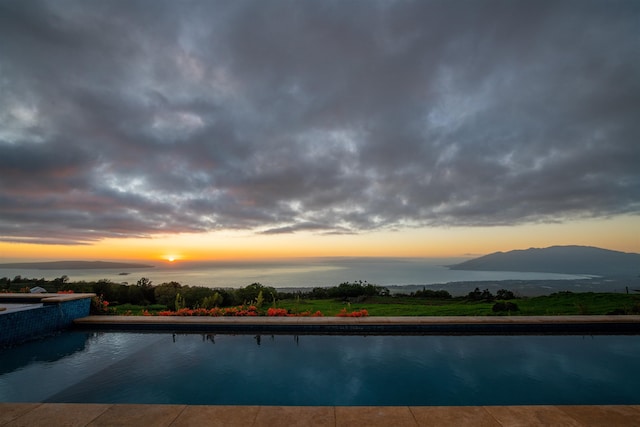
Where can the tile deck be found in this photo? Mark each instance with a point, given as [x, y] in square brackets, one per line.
[95, 415]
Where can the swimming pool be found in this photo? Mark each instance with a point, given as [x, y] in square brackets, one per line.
[121, 367]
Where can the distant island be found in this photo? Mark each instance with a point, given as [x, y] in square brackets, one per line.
[558, 259]
[73, 265]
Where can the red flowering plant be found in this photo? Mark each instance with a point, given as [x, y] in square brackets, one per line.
[282, 312]
[277, 312]
[215, 312]
[251, 310]
[99, 305]
[357, 313]
[309, 314]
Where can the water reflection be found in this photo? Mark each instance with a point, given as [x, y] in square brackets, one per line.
[354, 370]
[48, 349]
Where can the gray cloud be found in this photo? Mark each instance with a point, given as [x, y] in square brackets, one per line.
[143, 117]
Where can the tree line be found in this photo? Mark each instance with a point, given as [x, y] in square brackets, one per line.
[174, 295]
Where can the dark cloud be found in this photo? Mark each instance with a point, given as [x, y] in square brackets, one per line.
[143, 117]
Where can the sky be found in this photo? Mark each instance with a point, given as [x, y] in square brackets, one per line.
[251, 129]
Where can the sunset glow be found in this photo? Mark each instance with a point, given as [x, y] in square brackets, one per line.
[615, 234]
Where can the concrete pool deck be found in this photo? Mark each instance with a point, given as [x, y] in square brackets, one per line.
[370, 325]
[97, 415]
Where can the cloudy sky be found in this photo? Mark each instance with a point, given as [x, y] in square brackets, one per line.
[226, 125]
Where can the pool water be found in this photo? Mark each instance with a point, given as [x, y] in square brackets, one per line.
[110, 367]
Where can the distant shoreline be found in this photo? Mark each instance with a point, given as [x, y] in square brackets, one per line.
[73, 265]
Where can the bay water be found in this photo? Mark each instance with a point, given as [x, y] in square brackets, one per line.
[294, 273]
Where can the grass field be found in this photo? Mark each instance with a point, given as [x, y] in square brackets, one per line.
[555, 304]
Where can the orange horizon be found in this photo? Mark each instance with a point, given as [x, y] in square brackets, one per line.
[610, 234]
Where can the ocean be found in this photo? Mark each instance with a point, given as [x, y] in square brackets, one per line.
[297, 273]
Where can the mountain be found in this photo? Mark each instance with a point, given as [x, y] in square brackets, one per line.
[73, 265]
[558, 259]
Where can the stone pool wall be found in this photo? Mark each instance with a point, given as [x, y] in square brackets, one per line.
[39, 315]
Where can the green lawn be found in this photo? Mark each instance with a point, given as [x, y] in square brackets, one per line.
[580, 303]
[387, 306]
[555, 304]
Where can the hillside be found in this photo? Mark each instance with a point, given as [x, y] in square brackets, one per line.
[73, 265]
[558, 259]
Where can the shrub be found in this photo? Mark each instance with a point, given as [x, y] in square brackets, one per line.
[354, 290]
[504, 306]
[477, 295]
[212, 301]
[428, 293]
[504, 294]
[99, 305]
[249, 294]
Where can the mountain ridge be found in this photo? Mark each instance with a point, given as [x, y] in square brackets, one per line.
[571, 259]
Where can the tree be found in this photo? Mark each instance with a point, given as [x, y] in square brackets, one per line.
[106, 289]
[136, 296]
[356, 289]
[144, 283]
[477, 295]
[505, 294]
[58, 281]
[250, 293]
[165, 294]
[193, 295]
[429, 293]
[487, 295]
[147, 290]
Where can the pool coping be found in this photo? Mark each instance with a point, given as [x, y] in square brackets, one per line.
[605, 324]
[42, 297]
[73, 414]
